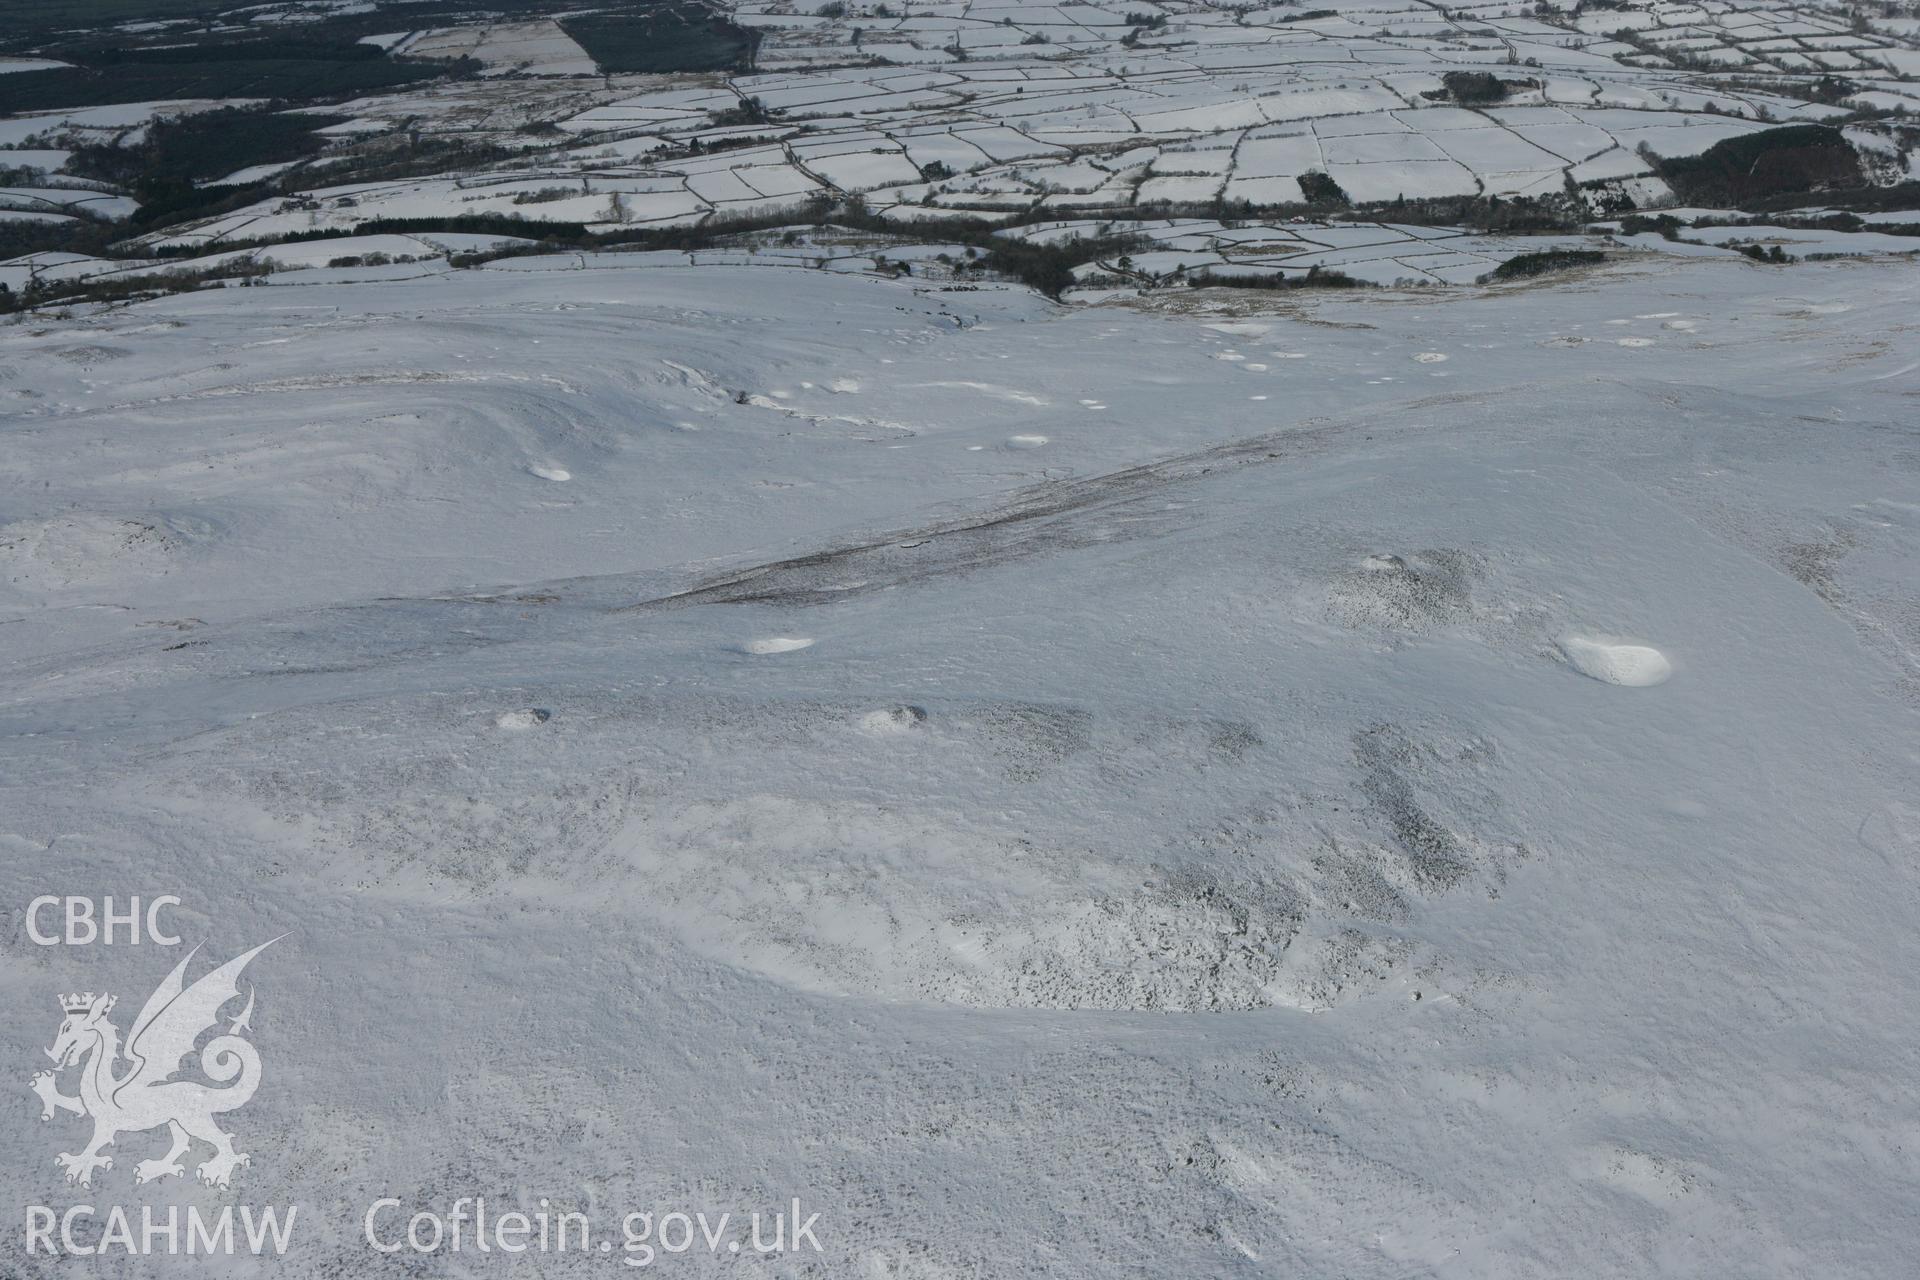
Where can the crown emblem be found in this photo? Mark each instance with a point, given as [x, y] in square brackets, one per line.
[79, 1002]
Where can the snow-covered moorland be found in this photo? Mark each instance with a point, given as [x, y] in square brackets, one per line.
[1404, 783]
[724, 614]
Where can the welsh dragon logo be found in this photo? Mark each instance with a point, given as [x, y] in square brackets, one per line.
[147, 1093]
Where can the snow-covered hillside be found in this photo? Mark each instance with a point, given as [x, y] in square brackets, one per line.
[1389, 784]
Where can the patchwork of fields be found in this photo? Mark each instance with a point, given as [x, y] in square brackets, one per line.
[1002, 112]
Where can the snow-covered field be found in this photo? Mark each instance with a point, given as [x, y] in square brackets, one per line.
[1379, 785]
[506, 48]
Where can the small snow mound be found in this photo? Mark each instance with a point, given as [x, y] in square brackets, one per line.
[1431, 357]
[1025, 442]
[889, 721]
[523, 719]
[1384, 564]
[1635, 666]
[1634, 342]
[551, 473]
[776, 644]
